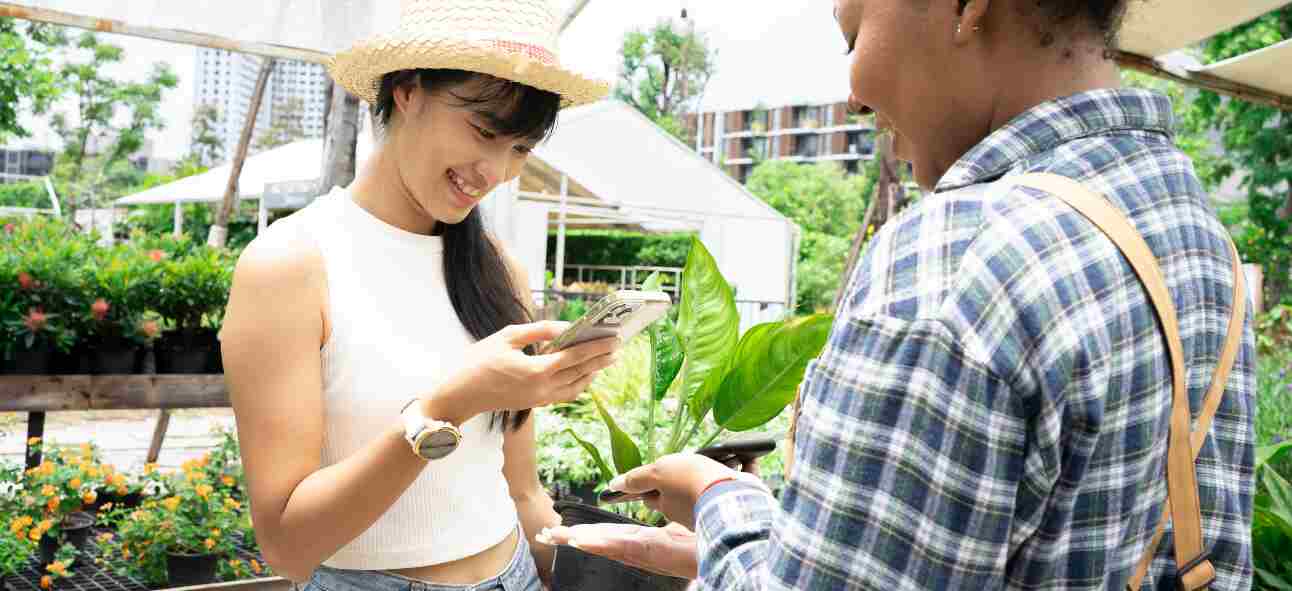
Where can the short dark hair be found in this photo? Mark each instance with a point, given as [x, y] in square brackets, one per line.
[1105, 16]
[510, 108]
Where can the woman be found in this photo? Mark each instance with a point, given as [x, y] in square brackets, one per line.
[991, 410]
[376, 342]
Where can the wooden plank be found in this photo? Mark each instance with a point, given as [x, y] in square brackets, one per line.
[1203, 80]
[159, 435]
[44, 15]
[108, 392]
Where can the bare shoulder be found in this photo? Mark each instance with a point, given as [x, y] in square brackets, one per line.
[280, 275]
[283, 254]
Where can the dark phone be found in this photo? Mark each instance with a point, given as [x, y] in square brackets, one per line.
[734, 451]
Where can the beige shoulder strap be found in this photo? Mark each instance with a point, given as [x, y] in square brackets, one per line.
[1194, 570]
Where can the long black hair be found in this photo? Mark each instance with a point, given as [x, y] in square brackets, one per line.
[481, 286]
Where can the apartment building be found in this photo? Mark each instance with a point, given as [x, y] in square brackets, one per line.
[737, 139]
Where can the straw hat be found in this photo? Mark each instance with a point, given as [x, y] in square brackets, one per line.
[509, 39]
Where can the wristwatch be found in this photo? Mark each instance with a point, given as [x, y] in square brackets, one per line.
[430, 439]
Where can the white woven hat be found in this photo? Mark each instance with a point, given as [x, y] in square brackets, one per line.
[509, 39]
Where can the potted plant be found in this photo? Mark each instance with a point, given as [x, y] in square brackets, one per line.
[707, 379]
[54, 497]
[193, 292]
[118, 284]
[30, 311]
[16, 545]
[181, 537]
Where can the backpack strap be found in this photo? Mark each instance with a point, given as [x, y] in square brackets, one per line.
[1193, 569]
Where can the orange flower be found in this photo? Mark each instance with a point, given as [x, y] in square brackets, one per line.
[75, 482]
[46, 468]
[21, 534]
[57, 567]
[209, 543]
[52, 505]
[125, 553]
[46, 582]
[89, 497]
[150, 468]
[156, 255]
[255, 566]
[34, 535]
[91, 472]
[33, 441]
[45, 525]
[204, 460]
[105, 537]
[171, 503]
[87, 450]
[203, 490]
[228, 481]
[121, 490]
[48, 490]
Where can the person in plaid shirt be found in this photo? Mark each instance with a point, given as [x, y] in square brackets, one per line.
[991, 409]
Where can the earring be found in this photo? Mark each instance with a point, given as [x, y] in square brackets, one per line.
[977, 28]
[957, 28]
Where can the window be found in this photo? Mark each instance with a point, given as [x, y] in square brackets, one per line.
[807, 146]
[861, 142]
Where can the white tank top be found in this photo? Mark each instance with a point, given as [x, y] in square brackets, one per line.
[395, 336]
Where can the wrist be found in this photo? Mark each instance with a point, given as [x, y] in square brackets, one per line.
[443, 405]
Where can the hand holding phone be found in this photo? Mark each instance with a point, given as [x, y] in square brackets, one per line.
[623, 313]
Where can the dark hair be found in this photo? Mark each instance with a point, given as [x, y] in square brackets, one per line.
[481, 286]
[1104, 15]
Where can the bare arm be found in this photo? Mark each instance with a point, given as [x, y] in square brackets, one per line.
[271, 339]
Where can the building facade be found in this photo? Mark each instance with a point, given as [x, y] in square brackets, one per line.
[227, 79]
[24, 161]
[737, 139]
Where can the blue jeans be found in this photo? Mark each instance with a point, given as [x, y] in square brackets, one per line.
[520, 575]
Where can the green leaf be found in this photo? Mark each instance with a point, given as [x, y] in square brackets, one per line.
[709, 328]
[1274, 581]
[652, 282]
[606, 474]
[767, 369]
[1270, 453]
[622, 448]
[668, 356]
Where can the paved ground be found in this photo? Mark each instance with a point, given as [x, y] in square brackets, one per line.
[123, 435]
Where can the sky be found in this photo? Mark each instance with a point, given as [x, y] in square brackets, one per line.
[772, 52]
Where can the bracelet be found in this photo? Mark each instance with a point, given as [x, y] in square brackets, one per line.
[716, 483]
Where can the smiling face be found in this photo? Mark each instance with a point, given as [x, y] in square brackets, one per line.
[457, 136]
[913, 69]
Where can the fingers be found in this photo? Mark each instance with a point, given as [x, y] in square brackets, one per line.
[570, 375]
[637, 480]
[572, 391]
[579, 354]
[521, 335]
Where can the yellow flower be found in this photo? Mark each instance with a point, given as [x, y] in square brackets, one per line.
[255, 566]
[89, 497]
[105, 537]
[34, 535]
[121, 490]
[46, 468]
[86, 449]
[204, 460]
[228, 481]
[116, 479]
[33, 441]
[209, 543]
[75, 482]
[203, 490]
[125, 553]
[48, 490]
[45, 525]
[171, 503]
[229, 503]
[57, 568]
[215, 532]
[235, 563]
[91, 472]
[46, 582]
[106, 507]
[52, 505]
[150, 468]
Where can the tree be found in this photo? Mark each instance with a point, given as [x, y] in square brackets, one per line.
[1258, 142]
[664, 72]
[827, 204]
[27, 80]
[207, 147]
[285, 125]
[102, 103]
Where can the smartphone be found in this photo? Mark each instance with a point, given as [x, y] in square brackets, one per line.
[622, 313]
[733, 451]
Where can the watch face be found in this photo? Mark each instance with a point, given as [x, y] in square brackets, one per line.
[437, 444]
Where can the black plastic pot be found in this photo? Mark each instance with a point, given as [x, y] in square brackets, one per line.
[215, 361]
[185, 570]
[74, 362]
[36, 363]
[76, 531]
[576, 570]
[124, 360]
[185, 352]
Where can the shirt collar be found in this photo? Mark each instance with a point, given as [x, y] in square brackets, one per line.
[1046, 126]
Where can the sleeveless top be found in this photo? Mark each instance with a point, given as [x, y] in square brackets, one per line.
[394, 336]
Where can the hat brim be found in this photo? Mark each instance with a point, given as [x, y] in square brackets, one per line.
[360, 69]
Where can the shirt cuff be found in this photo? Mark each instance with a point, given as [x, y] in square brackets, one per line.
[729, 499]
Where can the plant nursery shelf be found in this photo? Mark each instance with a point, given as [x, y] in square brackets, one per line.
[111, 392]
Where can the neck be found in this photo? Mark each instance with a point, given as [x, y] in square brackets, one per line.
[1028, 82]
[380, 189]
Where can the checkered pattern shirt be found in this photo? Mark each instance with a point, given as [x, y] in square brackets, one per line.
[992, 407]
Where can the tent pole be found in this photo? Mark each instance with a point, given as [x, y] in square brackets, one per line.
[262, 216]
[560, 234]
[179, 219]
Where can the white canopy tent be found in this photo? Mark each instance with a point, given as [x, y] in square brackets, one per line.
[656, 185]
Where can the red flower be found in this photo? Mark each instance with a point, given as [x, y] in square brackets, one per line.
[100, 309]
[149, 329]
[156, 255]
[25, 281]
[9, 228]
[35, 320]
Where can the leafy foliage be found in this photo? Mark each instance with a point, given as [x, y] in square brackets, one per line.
[1258, 143]
[27, 80]
[663, 72]
[828, 205]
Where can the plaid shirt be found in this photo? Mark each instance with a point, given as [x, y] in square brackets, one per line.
[991, 409]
